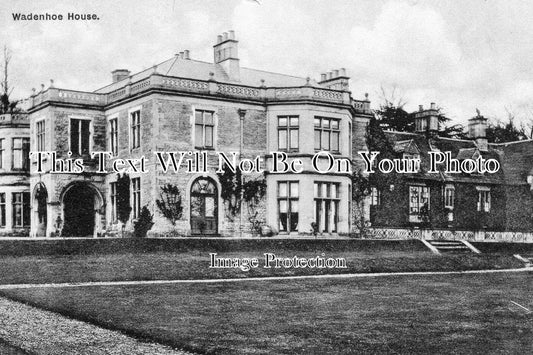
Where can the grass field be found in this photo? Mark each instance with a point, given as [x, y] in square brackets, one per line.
[406, 314]
[195, 265]
[58, 261]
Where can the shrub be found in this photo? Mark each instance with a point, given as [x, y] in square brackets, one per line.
[170, 203]
[143, 224]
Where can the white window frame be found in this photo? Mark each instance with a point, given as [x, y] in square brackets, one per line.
[37, 134]
[91, 131]
[130, 128]
[136, 203]
[215, 126]
[449, 196]
[110, 142]
[484, 200]
[375, 196]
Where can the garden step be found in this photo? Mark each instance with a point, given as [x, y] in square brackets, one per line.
[450, 246]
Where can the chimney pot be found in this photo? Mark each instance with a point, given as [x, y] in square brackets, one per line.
[186, 54]
[231, 34]
[420, 108]
[219, 38]
[433, 106]
[335, 73]
[225, 34]
[330, 75]
[181, 54]
[323, 77]
[343, 71]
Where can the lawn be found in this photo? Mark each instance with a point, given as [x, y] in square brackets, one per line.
[195, 265]
[404, 314]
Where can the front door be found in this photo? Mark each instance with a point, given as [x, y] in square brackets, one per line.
[204, 207]
[78, 210]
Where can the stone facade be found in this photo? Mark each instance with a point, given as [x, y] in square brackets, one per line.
[185, 105]
[14, 175]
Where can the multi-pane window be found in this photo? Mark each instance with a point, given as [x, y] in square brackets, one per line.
[113, 197]
[21, 209]
[418, 200]
[2, 153]
[113, 136]
[327, 134]
[326, 207]
[204, 129]
[449, 197]
[288, 206]
[40, 135]
[375, 196]
[288, 133]
[483, 202]
[136, 192]
[80, 136]
[135, 129]
[2, 210]
[21, 151]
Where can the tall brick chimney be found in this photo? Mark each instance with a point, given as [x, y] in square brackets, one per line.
[120, 74]
[477, 130]
[226, 54]
[427, 121]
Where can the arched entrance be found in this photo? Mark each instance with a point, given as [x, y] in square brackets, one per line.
[41, 198]
[204, 206]
[80, 204]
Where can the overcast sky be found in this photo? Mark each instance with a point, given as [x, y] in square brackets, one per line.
[462, 55]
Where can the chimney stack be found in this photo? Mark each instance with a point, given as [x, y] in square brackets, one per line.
[477, 130]
[120, 74]
[335, 79]
[427, 121]
[226, 54]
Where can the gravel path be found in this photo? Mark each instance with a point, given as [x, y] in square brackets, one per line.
[42, 332]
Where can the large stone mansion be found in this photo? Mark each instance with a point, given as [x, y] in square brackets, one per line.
[184, 104]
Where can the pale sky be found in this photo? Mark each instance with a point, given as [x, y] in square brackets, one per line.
[462, 55]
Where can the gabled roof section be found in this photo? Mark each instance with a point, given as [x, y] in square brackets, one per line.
[406, 146]
[199, 70]
[459, 149]
[468, 153]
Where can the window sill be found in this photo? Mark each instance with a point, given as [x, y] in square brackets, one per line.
[205, 148]
[334, 152]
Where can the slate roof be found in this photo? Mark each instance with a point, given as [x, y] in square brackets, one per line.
[517, 161]
[459, 149]
[199, 70]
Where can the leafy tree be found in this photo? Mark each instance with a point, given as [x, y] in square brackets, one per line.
[170, 203]
[501, 132]
[236, 191]
[392, 115]
[143, 224]
[123, 199]
[231, 183]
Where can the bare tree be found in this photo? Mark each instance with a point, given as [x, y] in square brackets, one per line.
[6, 104]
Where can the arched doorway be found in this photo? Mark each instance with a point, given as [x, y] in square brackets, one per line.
[204, 206]
[80, 204]
[41, 198]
